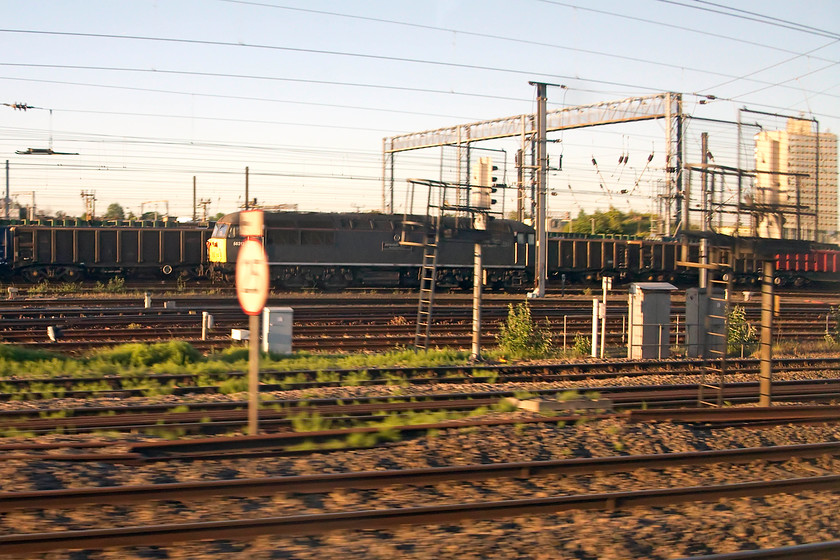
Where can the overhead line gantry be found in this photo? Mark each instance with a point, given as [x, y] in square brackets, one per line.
[532, 129]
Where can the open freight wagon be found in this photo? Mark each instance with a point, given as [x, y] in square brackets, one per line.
[40, 251]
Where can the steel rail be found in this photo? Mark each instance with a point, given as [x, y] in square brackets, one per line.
[352, 320]
[312, 524]
[212, 416]
[235, 416]
[730, 414]
[319, 483]
[191, 447]
[215, 416]
[368, 342]
[565, 370]
[813, 551]
[279, 443]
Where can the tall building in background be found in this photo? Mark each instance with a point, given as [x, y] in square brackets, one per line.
[790, 166]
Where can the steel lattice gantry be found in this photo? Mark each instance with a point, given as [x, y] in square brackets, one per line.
[658, 106]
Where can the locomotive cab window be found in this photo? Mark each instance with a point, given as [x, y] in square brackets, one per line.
[220, 230]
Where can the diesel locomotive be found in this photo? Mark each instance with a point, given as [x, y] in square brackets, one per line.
[339, 250]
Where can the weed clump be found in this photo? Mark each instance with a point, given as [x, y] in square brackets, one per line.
[521, 337]
[115, 285]
[832, 334]
[582, 345]
[145, 355]
[22, 354]
[742, 336]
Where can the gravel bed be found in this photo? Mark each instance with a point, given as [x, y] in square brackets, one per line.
[673, 532]
[654, 533]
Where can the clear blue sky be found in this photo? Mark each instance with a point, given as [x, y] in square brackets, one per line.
[151, 93]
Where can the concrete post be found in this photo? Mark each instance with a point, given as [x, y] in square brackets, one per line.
[596, 307]
[766, 345]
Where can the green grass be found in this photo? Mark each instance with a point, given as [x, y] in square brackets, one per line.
[137, 360]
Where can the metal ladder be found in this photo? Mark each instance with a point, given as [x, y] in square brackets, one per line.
[425, 304]
[714, 368]
[429, 230]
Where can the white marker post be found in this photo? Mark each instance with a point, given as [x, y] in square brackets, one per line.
[252, 291]
[606, 286]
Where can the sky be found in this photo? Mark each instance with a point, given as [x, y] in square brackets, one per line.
[154, 95]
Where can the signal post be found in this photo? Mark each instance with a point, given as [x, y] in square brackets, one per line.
[485, 185]
[252, 292]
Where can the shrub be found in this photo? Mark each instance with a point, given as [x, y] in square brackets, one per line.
[582, 345]
[521, 337]
[742, 335]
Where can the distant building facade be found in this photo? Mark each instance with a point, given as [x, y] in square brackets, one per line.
[796, 167]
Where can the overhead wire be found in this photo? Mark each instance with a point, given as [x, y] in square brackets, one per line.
[754, 16]
[670, 25]
[389, 58]
[351, 54]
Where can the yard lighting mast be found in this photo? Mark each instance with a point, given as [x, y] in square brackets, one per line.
[542, 164]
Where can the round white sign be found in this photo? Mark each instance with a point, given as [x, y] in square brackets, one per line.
[252, 277]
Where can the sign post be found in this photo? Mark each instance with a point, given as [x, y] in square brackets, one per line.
[252, 292]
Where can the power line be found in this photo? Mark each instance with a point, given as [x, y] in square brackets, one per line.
[487, 35]
[672, 26]
[206, 42]
[347, 84]
[788, 80]
[469, 34]
[772, 66]
[236, 97]
[529, 73]
[754, 16]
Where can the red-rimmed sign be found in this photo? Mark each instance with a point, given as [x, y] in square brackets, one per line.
[252, 277]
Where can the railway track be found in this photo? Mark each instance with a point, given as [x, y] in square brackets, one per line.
[10, 501]
[381, 518]
[342, 322]
[316, 524]
[338, 338]
[34, 387]
[282, 415]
